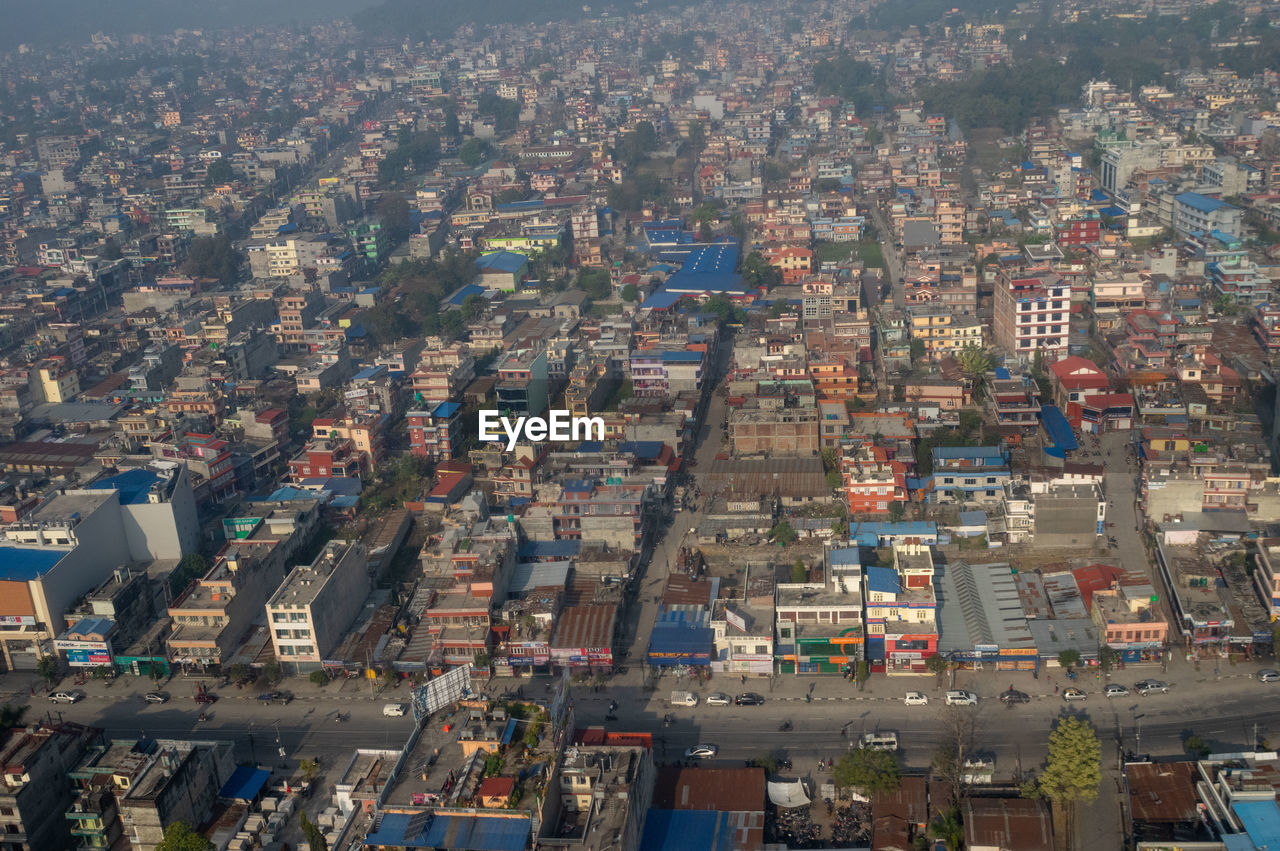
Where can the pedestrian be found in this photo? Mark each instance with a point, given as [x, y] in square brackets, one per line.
[1055, 689]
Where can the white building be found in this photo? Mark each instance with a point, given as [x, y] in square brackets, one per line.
[317, 603]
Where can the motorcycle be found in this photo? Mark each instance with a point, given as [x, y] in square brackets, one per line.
[611, 717]
[339, 717]
[203, 716]
[786, 725]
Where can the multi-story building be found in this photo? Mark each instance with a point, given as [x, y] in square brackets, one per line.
[316, 605]
[968, 474]
[521, 388]
[436, 434]
[1032, 315]
[820, 624]
[943, 332]
[900, 611]
[1196, 213]
[35, 793]
[336, 458]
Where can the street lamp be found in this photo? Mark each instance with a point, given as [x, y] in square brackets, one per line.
[1137, 737]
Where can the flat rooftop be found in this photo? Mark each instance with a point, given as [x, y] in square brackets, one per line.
[23, 564]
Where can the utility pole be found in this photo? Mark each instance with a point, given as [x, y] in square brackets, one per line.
[1137, 720]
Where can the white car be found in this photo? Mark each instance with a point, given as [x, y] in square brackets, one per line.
[393, 710]
[65, 697]
[719, 699]
[1116, 690]
[701, 752]
[916, 698]
[961, 698]
[1075, 694]
[1269, 676]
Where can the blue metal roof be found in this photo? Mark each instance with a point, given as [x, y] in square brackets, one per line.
[682, 357]
[662, 299]
[590, 446]
[993, 452]
[882, 579]
[458, 831]
[469, 290]
[973, 518]
[549, 549]
[446, 409]
[579, 486]
[91, 626]
[846, 556]
[502, 261]
[245, 783]
[1055, 423]
[1261, 820]
[1202, 203]
[284, 494]
[1002, 373]
[22, 564]
[676, 830]
[133, 485]
[645, 449]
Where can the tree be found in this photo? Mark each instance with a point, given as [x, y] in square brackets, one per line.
[239, 673]
[1069, 658]
[917, 349]
[179, 836]
[783, 533]
[313, 834]
[937, 666]
[897, 511]
[958, 742]
[111, 249]
[393, 213]
[974, 362]
[759, 273]
[1107, 658]
[473, 307]
[213, 257]
[492, 764]
[272, 672]
[47, 668]
[473, 152]
[873, 772]
[219, 172]
[595, 283]
[630, 292]
[948, 828]
[834, 479]
[310, 768]
[635, 146]
[319, 678]
[799, 573]
[1073, 771]
[191, 567]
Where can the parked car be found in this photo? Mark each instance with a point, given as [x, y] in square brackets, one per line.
[884, 741]
[916, 698]
[701, 752]
[393, 710]
[1074, 694]
[749, 698]
[1012, 696]
[719, 699]
[1115, 690]
[281, 697]
[65, 697]
[1269, 676]
[156, 697]
[1151, 687]
[961, 698]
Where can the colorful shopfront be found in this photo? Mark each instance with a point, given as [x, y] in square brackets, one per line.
[818, 654]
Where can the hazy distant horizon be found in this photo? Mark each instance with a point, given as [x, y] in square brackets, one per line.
[61, 21]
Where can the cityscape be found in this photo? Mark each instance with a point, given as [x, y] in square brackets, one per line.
[646, 426]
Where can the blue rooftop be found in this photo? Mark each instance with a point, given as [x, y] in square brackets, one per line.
[991, 452]
[590, 446]
[882, 579]
[676, 830]
[446, 409]
[846, 556]
[682, 357]
[502, 261]
[579, 486]
[132, 484]
[245, 783]
[549, 549]
[647, 450]
[1055, 423]
[1201, 203]
[1261, 821]
[662, 300]
[470, 289]
[973, 518]
[1002, 373]
[459, 832]
[368, 372]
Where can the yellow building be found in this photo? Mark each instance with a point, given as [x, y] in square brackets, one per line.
[942, 332]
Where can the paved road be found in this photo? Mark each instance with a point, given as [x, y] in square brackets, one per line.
[891, 258]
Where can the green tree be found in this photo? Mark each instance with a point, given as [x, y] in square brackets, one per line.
[473, 152]
[873, 772]
[630, 292]
[111, 249]
[862, 673]
[1069, 658]
[179, 836]
[213, 257]
[1073, 772]
[635, 146]
[1196, 747]
[897, 511]
[595, 283]
[239, 673]
[313, 834]
[834, 479]
[799, 573]
[47, 668]
[937, 666]
[948, 828]
[393, 212]
[11, 716]
[473, 307]
[758, 273]
[783, 533]
[272, 672]
[917, 349]
[191, 567]
[319, 678]
[310, 768]
[492, 764]
[974, 362]
[219, 172]
[1107, 658]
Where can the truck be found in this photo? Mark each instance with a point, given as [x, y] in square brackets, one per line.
[684, 698]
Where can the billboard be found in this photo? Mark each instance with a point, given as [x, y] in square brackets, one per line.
[735, 620]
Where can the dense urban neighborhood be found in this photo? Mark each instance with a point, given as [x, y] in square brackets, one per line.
[651, 426]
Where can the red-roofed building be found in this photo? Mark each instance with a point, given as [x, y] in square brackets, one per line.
[737, 793]
[496, 792]
[1075, 377]
[1102, 412]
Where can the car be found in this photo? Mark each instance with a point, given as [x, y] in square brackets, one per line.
[65, 697]
[393, 710]
[701, 752]
[961, 698]
[1269, 676]
[1151, 687]
[281, 697]
[1074, 694]
[155, 697]
[749, 698]
[1115, 690]
[719, 699]
[916, 698]
[1012, 696]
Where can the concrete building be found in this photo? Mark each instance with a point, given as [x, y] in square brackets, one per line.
[1032, 314]
[35, 792]
[783, 431]
[179, 781]
[1196, 213]
[317, 603]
